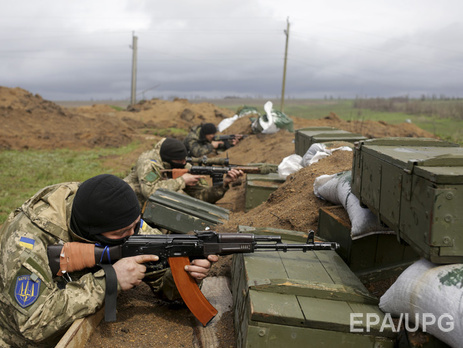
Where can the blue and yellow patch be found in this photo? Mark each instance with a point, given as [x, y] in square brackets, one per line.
[143, 225]
[27, 242]
[26, 290]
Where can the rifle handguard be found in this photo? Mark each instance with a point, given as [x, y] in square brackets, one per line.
[76, 256]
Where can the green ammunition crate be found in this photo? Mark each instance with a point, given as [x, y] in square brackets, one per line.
[371, 257]
[302, 137]
[414, 185]
[259, 187]
[180, 213]
[296, 299]
[305, 137]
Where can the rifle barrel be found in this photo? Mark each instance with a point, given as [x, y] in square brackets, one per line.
[304, 247]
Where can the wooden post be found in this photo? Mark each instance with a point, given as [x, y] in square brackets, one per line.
[284, 67]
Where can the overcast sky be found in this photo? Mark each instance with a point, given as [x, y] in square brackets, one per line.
[81, 50]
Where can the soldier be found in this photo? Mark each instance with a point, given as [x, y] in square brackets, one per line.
[147, 175]
[201, 140]
[36, 306]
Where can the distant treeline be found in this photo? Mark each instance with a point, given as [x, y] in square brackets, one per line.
[441, 107]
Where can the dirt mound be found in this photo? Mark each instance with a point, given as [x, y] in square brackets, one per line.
[293, 206]
[161, 114]
[29, 121]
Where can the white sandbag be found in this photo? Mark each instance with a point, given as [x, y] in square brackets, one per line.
[314, 150]
[329, 188]
[430, 295]
[289, 165]
[226, 122]
[269, 126]
[317, 151]
[336, 189]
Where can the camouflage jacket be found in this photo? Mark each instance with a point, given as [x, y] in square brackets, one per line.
[198, 146]
[147, 176]
[36, 306]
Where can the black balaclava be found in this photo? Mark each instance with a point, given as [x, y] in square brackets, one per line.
[207, 128]
[173, 149]
[104, 203]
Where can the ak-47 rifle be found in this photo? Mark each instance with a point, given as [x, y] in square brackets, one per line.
[227, 139]
[175, 251]
[230, 137]
[215, 172]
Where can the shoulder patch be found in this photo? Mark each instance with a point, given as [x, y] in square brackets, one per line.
[152, 176]
[27, 289]
[27, 242]
[143, 225]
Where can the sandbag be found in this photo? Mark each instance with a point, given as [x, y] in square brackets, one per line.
[427, 292]
[272, 121]
[317, 151]
[289, 165]
[336, 189]
[241, 112]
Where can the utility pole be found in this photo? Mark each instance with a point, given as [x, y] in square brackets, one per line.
[284, 67]
[134, 70]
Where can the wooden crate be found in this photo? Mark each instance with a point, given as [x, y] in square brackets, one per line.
[298, 299]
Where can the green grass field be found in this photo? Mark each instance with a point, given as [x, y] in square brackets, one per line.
[23, 173]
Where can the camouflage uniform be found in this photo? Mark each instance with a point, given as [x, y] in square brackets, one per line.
[36, 306]
[198, 146]
[146, 177]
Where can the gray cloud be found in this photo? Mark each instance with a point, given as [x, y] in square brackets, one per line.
[66, 51]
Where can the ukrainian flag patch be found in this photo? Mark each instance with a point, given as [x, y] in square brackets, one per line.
[27, 242]
[143, 225]
[26, 290]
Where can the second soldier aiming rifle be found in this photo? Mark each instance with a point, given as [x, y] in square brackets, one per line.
[215, 172]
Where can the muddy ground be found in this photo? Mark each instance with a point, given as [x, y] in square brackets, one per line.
[30, 122]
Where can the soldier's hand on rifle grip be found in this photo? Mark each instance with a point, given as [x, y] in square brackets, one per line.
[232, 175]
[131, 270]
[216, 144]
[199, 268]
[236, 139]
[190, 179]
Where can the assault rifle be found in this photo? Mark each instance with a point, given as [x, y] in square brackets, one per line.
[216, 173]
[230, 137]
[265, 168]
[174, 251]
[227, 139]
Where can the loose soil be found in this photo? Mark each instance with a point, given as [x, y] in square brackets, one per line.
[30, 122]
